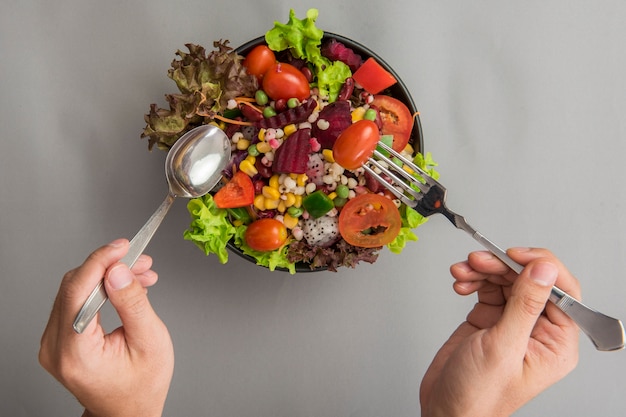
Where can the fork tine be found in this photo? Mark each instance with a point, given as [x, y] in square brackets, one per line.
[394, 190]
[427, 178]
[395, 178]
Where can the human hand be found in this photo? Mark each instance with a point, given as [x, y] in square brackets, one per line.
[123, 373]
[512, 345]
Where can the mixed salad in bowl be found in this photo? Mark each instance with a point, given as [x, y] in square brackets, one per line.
[283, 99]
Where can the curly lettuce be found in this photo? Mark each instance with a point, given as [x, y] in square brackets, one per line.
[206, 83]
[210, 228]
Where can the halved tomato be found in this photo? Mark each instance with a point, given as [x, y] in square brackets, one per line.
[238, 192]
[369, 220]
[397, 120]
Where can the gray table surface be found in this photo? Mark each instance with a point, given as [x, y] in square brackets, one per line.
[523, 105]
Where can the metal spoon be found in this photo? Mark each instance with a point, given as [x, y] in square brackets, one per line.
[192, 167]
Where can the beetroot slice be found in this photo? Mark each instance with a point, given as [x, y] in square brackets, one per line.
[295, 115]
[293, 155]
[338, 116]
[337, 51]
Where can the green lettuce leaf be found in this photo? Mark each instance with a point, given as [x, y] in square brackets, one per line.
[210, 228]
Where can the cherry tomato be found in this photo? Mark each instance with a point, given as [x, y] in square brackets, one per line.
[259, 60]
[238, 192]
[356, 144]
[369, 220]
[265, 234]
[284, 81]
[397, 120]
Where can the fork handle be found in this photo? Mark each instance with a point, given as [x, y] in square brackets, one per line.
[605, 332]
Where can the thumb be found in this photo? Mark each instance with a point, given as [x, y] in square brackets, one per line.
[528, 299]
[130, 300]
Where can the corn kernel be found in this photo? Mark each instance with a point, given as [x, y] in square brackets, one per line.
[237, 223]
[290, 199]
[271, 204]
[301, 180]
[289, 129]
[298, 202]
[248, 168]
[332, 195]
[261, 134]
[328, 155]
[289, 221]
[407, 169]
[270, 193]
[408, 149]
[274, 182]
[259, 202]
[242, 144]
[251, 159]
[281, 206]
[358, 113]
[263, 147]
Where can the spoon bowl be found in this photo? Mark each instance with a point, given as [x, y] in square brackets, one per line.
[192, 168]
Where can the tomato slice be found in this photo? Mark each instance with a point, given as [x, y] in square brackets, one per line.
[369, 220]
[265, 234]
[356, 144]
[397, 120]
[373, 77]
[238, 192]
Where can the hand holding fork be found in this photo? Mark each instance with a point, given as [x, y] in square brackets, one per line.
[427, 196]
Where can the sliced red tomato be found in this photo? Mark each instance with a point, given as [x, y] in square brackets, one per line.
[284, 81]
[356, 144]
[238, 192]
[369, 220]
[373, 77]
[259, 60]
[397, 120]
[265, 234]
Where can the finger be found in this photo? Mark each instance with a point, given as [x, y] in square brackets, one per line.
[78, 283]
[484, 316]
[142, 264]
[566, 281]
[487, 262]
[130, 300]
[469, 280]
[148, 278]
[527, 301]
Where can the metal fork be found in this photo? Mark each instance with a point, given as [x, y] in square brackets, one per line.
[428, 197]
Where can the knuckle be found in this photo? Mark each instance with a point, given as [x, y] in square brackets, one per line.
[531, 304]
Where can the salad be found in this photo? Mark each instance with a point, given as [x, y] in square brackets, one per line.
[284, 200]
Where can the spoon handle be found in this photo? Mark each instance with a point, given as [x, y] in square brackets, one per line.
[98, 296]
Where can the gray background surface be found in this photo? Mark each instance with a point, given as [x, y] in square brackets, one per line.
[523, 105]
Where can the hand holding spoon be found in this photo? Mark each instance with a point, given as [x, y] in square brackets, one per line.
[192, 167]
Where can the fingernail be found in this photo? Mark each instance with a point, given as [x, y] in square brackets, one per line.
[484, 255]
[120, 277]
[520, 249]
[544, 274]
[118, 243]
